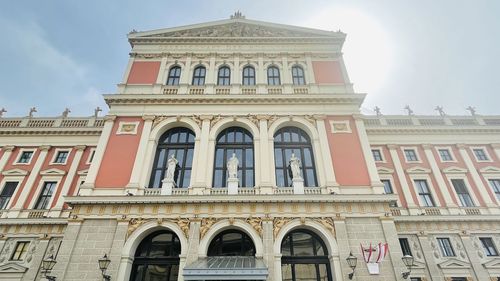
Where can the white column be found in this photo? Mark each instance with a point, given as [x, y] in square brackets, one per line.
[211, 72]
[378, 187]
[439, 178]
[88, 185]
[236, 74]
[401, 176]
[261, 76]
[30, 181]
[265, 158]
[331, 181]
[202, 153]
[185, 76]
[496, 148]
[138, 168]
[162, 73]
[483, 191]
[7, 152]
[70, 176]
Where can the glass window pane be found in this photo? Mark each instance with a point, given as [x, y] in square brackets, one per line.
[295, 137]
[278, 157]
[187, 178]
[157, 179]
[139, 272]
[230, 137]
[286, 272]
[189, 158]
[307, 158]
[249, 178]
[249, 157]
[305, 272]
[310, 178]
[239, 136]
[280, 180]
[218, 178]
[161, 158]
[302, 244]
[219, 158]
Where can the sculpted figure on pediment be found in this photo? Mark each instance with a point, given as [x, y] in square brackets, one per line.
[235, 30]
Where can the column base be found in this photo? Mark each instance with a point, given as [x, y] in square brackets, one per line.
[298, 186]
[232, 186]
[166, 188]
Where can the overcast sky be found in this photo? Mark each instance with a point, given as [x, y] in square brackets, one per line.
[57, 54]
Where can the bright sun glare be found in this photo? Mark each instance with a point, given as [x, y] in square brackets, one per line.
[368, 50]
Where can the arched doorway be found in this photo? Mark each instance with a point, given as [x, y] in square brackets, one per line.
[157, 257]
[304, 257]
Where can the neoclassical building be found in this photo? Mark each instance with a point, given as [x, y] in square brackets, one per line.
[315, 181]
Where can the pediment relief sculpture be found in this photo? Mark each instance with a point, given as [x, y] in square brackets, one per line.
[236, 29]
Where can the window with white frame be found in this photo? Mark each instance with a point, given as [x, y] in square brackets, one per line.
[61, 157]
[6, 194]
[44, 198]
[174, 76]
[495, 184]
[480, 154]
[445, 154]
[248, 76]
[25, 157]
[298, 75]
[377, 155]
[91, 156]
[446, 247]
[424, 193]
[387, 186]
[410, 155]
[489, 247]
[199, 76]
[462, 192]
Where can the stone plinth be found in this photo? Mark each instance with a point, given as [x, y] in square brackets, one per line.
[298, 186]
[232, 186]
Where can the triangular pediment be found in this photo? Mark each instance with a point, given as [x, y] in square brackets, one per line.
[384, 170]
[492, 264]
[15, 172]
[454, 264]
[418, 170]
[490, 170]
[235, 28]
[454, 170]
[12, 268]
[52, 172]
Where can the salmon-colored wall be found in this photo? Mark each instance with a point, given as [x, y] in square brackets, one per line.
[143, 72]
[327, 72]
[347, 156]
[119, 157]
[11, 165]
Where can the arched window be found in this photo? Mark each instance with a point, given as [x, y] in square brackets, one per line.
[273, 76]
[239, 141]
[298, 75]
[180, 143]
[304, 257]
[248, 76]
[157, 257]
[174, 75]
[199, 76]
[224, 77]
[290, 140]
[231, 243]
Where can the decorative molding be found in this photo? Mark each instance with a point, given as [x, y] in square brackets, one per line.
[127, 128]
[8, 148]
[453, 263]
[490, 170]
[418, 170]
[454, 170]
[278, 224]
[15, 172]
[12, 267]
[206, 224]
[256, 223]
[53, 172]
[384, 170]
[340, 126]
[135, 223]
[326, 222]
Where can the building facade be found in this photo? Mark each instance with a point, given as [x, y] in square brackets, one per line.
[153, 184]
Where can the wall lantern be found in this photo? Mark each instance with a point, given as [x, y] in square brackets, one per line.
[408, 261]
[47, 266]
[351, 261]
[103, 266]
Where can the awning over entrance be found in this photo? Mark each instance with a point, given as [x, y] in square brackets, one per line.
[226, 268]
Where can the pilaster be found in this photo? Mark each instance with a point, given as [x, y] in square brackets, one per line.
[391, 237]
[200, 182]
[401, 176]
[479, 270]
[7, 152]
[331, 181]
[70, 176]
[138, 167]
[268, 242]
[435, 273]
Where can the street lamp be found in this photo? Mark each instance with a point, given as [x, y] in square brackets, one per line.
[47, 266]
[408, 261]
[351, 261]
[103, 265]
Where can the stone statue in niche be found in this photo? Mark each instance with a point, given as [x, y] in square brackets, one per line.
[232, 167]
[172, 169]
[294, 167]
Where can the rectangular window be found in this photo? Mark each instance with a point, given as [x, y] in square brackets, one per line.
[91, 157]
[7, 192]
[410, 155]
[445, 155]
[20, 251]
[424, 193]
[387, 186]
[480, 154]
[462, 192]
[458, 278]
[446, 248]
[405, 246]
[61, 157]
[489, 247]
[377, 155]
[47, 191]
[25, 157]
[495, 184]
[415, 279]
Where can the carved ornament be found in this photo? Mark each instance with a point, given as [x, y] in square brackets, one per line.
[256, 223]
[278, 224]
